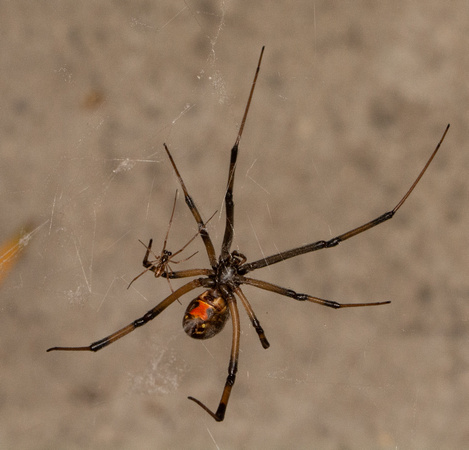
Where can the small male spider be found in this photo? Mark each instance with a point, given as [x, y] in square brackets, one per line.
[207, 314]
[160, 265]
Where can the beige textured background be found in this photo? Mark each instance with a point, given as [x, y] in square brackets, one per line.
[351, 99]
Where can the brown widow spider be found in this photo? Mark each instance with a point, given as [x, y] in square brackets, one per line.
[207, 314]
[160, 265]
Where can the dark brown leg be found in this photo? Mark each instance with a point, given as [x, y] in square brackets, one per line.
[245, 268]
[305, 297]
[229, 204]
[232, 367]
[150, 315]
[195, 212]
[252, 316]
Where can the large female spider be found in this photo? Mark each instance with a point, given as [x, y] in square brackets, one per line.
[206, 315]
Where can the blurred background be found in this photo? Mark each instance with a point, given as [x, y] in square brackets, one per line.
[351, 100]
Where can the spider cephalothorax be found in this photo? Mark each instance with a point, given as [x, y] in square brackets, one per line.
[228, 269]
[207, 314]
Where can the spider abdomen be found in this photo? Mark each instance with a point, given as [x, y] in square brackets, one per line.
[206, 315]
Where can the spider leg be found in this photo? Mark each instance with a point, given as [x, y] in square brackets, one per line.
[229, 204]
[139, 275]
[149, 265]
[187, 244]
[245, 268]
[150, 315]
[304, 297]
[183, 260]
[170, 222]
[195, 212]
[188, 273]
[252, 316]
[232, 367]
